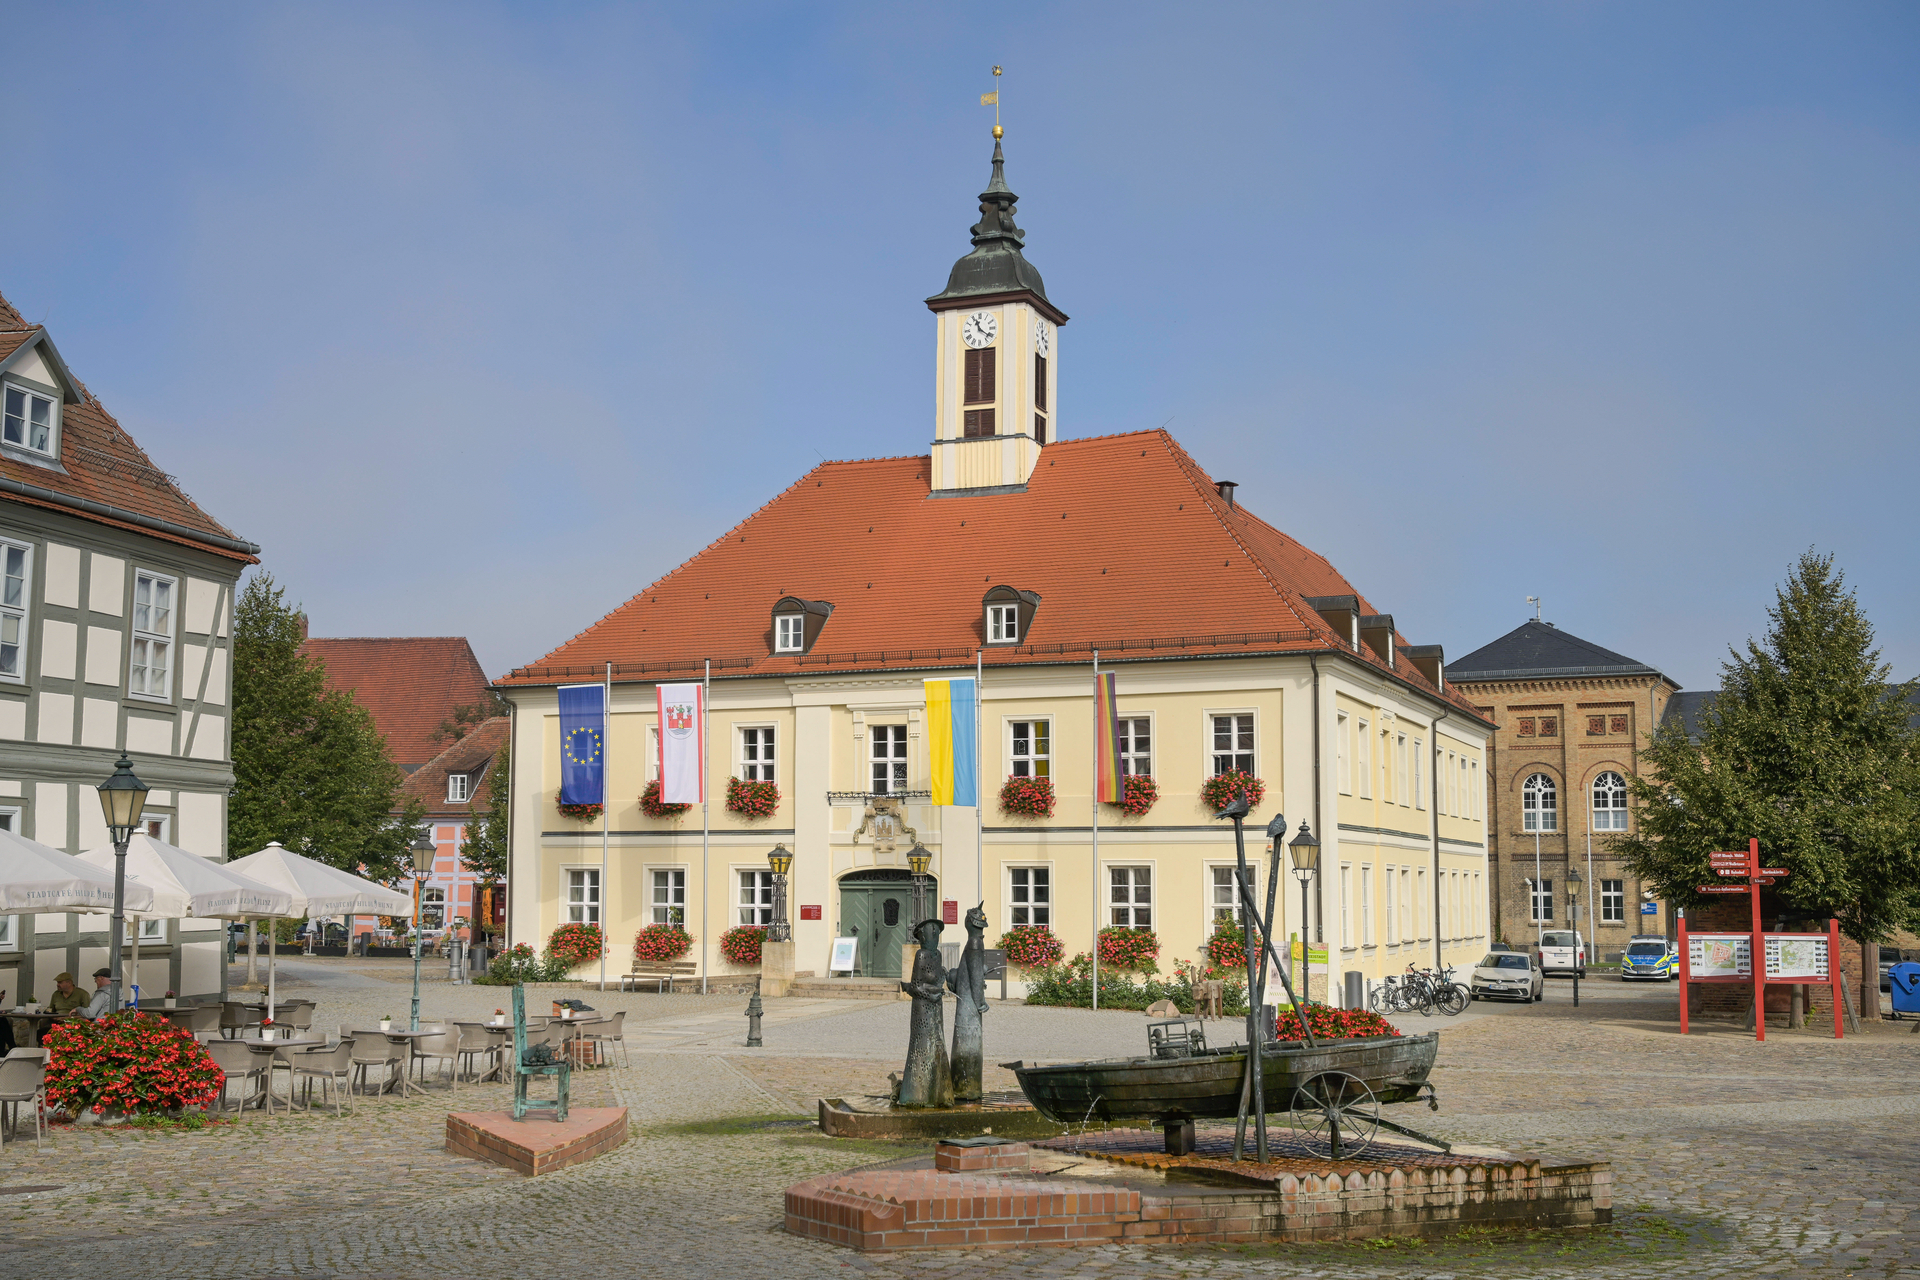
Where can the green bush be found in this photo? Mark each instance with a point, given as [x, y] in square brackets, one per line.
[522, 964]
[1070, 985]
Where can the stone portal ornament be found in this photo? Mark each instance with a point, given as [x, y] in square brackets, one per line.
[927, 1081]
[968, 982]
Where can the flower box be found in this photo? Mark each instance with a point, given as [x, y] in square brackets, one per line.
[1218, 791]
[1138, 792]
[661, 943]
[742, 945]
[1122, 948]
[654, 807]
[1031, 946]
[751, 799]
[1027, 797]
[580, 812]
[573, 945]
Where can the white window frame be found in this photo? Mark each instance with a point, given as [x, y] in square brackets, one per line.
[1477, 919]
[1540, 895]
[1234, 751]
[659, 910]
[10, 925]
[581, 905]
[459, 788]
[1613, 901]
[1139, 912]
[898, 773]
[753, 898]
[1038, 761]
[1400, 770]
[1423, 906]
[1476, 797]
[1346, 907]
[1540, 804]
[1342, 764]
[789, 632]
[1390, 906]
[653, 753]
[1419, 776]
[1003, 624]
[1035, 881]
[1130, 758]
[1611, 817]
[150, 638]
[164, 821]
[761, 755]
[1366, 904]
[426, 892]
[1363, 759]
[1213, 889]
[53, 419]
[18, 614]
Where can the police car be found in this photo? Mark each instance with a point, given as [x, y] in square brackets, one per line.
[1650, 957]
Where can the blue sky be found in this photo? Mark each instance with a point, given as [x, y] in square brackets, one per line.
[480, 316]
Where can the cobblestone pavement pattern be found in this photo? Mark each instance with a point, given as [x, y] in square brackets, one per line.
[1799, 1157]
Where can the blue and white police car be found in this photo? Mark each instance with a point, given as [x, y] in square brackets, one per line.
[1649, 957]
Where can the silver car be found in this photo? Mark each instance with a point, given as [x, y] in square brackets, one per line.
[1507, 975]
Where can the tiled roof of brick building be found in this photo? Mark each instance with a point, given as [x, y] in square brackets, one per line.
[1128, 543]
[1541, 651]
[102, 474]
[471, 755]
[410, 684]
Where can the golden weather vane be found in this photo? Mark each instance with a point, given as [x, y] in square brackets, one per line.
[993, 100]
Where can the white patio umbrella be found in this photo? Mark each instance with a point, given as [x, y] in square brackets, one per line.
[187, 886]
[37, 877]
[314, 889]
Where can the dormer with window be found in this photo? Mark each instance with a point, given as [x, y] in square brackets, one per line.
[1376, 632]
[1342, 614]
[459, 787]
[797, 624]
[34, 388]
[1009, 614]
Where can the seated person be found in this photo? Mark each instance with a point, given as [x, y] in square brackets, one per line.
[66, 997]
[102, 1003]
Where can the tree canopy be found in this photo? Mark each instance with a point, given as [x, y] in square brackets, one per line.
[1808, 748]
[310, 768]
[483, 847]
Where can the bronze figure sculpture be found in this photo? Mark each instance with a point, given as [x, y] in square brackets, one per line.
[968, 982]
[927, 1081]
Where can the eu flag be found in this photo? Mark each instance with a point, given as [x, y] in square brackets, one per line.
[583, 744]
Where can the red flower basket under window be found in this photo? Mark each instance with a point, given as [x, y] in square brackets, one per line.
[575, 944]
[742, 945]
[1122, 948]
[1138, 793]
[1227, 948]
[752, 799]
[583, 812]
[1027, 797]
[1031, 946]
[1218, 791]
[662, 943]
[651, 805]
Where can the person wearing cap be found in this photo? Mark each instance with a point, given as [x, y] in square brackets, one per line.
[102, 1003]
[66, 997]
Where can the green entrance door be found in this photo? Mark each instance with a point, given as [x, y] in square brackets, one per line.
[876, 907]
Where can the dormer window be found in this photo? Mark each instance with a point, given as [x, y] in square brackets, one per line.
[797, 623]
[458, 787]
[1009, 615]
[1003, 623]
[30, 419]
[789, 633]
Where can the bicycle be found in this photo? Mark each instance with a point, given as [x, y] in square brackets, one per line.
[1448, 994]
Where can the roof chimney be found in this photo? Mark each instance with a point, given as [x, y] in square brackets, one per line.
[303, 626]
[1226, 488]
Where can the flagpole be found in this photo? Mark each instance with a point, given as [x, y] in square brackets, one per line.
[606, 766]
[1096, 828]
[706, 905]
[979, 781]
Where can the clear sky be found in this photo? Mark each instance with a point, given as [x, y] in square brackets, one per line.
[478, 317]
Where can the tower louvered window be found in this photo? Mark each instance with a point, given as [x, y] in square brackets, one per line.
[1039, 382]
[980, 376]
[979, 423]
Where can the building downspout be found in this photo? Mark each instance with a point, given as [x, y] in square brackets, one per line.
[1320, 882]
[1433, 785]
[513, 762]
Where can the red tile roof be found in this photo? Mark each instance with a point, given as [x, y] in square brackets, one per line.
[1126, 540]
[104, 466]
[471, 755]
[411, 685]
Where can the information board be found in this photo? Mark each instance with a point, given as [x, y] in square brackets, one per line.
[845, 955]
[1720, 955]
[1796, 955]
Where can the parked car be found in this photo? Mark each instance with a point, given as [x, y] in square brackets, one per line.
[1563, 951]
[1507, 975]
[1649, 958]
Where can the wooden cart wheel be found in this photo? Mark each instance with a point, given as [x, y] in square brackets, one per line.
[1336, 1112]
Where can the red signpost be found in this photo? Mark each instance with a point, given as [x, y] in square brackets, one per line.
[1807, 959]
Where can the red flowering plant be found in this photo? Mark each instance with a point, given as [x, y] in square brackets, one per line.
[128, 1063]
[654, 807]
[752, 799]
[1031, 946]
[1138, 792]
[573, 945]
[1227, 948]
[1218, 791]
[583, 812]
[1122, 948]
[662, 943]
[1329, 1023]
[742, 945]
[1027, 797]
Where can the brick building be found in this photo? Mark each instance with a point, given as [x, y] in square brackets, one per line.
[1573, 718]
[453, 786]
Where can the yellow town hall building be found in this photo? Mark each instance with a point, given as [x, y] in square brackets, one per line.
[820, 615]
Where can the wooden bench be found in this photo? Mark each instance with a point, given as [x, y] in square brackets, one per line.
[661, 974]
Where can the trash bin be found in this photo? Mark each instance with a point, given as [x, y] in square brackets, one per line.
[1906, 987]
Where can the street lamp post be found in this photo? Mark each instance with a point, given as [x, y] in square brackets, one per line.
[423, 854]
[917, 860]
[781, 861]
[122, 797]
[1573, 914]
[1305, 852]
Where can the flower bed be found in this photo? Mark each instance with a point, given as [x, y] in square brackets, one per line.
[1329, 1023]
[1138, 793]
[1027, 797]
[752, 799]
[1070, 985]
[1218, 791]
[661, 943]
[1031, 946]
[573, 945]
[741, 945]
[1129, 949]
[651, 805]
[582, 812]
[1227, 948]
[128, 1063]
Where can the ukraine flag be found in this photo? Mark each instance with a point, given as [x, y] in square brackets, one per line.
[952, 745]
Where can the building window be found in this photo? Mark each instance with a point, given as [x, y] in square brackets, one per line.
[1619, 723]
[457, 788]
[1526, 726]
[1542, 894]
[433, 906]
[150, 670]
[978, 425]
[30, 420]
[980, 379]
[1549, 726]
[1233, 743]
[9, 933]
[1366, 903]
[1539, 804]
[1609, 802]
[1039, 428]
[1136, 746]
[13, 610]
[583, 895]
[1393, 905]
[1130, 894]
[155, 827]
[1030, 895]
[1032, 751]
[1419, 788]
[1596, 726]
[670, 897]
[1452, 805]
[1003, 623]
[889, 758]
[789, 633]
[1475, 799]
[1613, 900]
[1363, 760]
[1342, 770]
[1400, 768]
[756, 897]
[756, 755]
[1424, 904]
[1039, 381]
[1346, 904]
[653, 753]
[1225, 887]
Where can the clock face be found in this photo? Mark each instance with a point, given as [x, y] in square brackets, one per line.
[1043, 337]
[979, 330]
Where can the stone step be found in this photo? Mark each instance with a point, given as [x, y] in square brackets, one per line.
[847, 989]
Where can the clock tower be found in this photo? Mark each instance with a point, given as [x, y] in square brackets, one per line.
[997, 346]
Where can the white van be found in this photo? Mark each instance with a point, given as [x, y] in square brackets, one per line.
[1563, 951]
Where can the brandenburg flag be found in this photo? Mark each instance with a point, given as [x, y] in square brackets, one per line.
[583, 744]
[951, 746]
[1108, 788]
[683, 746]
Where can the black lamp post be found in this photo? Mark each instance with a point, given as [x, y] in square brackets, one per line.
[1573, 914]
[781, 861]
[122, 797]
[1305, 852]
[917, 860]
[423, 855]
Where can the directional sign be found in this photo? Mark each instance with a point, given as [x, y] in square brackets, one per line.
[1774, 871]
[1763, 879]
[1720, 888]
[1730, 871]
[1727, 859]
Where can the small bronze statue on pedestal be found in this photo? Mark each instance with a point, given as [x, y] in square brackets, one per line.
[968, 982]
[927, 1081]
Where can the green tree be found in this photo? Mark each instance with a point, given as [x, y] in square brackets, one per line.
[310, 768]
[470, 716]
[1808, 748]
[483, 846]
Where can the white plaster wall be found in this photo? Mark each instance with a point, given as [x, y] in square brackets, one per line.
[103, 656]
[99, 722]
[93, 826]
[209, 738]
[201, 599]
[63, 575]
[217, 679]
[107, 584]
[9, 788]
[30, 365]
[199, 969]
[56, 718]
[50, 813]
[13, 719]
[197, 826]
[48, 963]
[58, 642]
[149, 734]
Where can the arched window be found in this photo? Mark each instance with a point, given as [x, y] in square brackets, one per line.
[1539, 804]
[1609, 802]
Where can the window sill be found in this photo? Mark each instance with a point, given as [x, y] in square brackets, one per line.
[16, 688]
[147, 700]
[32, 457]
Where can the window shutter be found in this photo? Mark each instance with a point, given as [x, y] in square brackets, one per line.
[1039, 428]
[1039, 382]
[979, 423]
[980, 376]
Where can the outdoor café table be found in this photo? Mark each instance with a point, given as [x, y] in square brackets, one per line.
[397, 1036]
[264, 1048]
[500, 1039]
[578, 1041]
[37, 1023]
